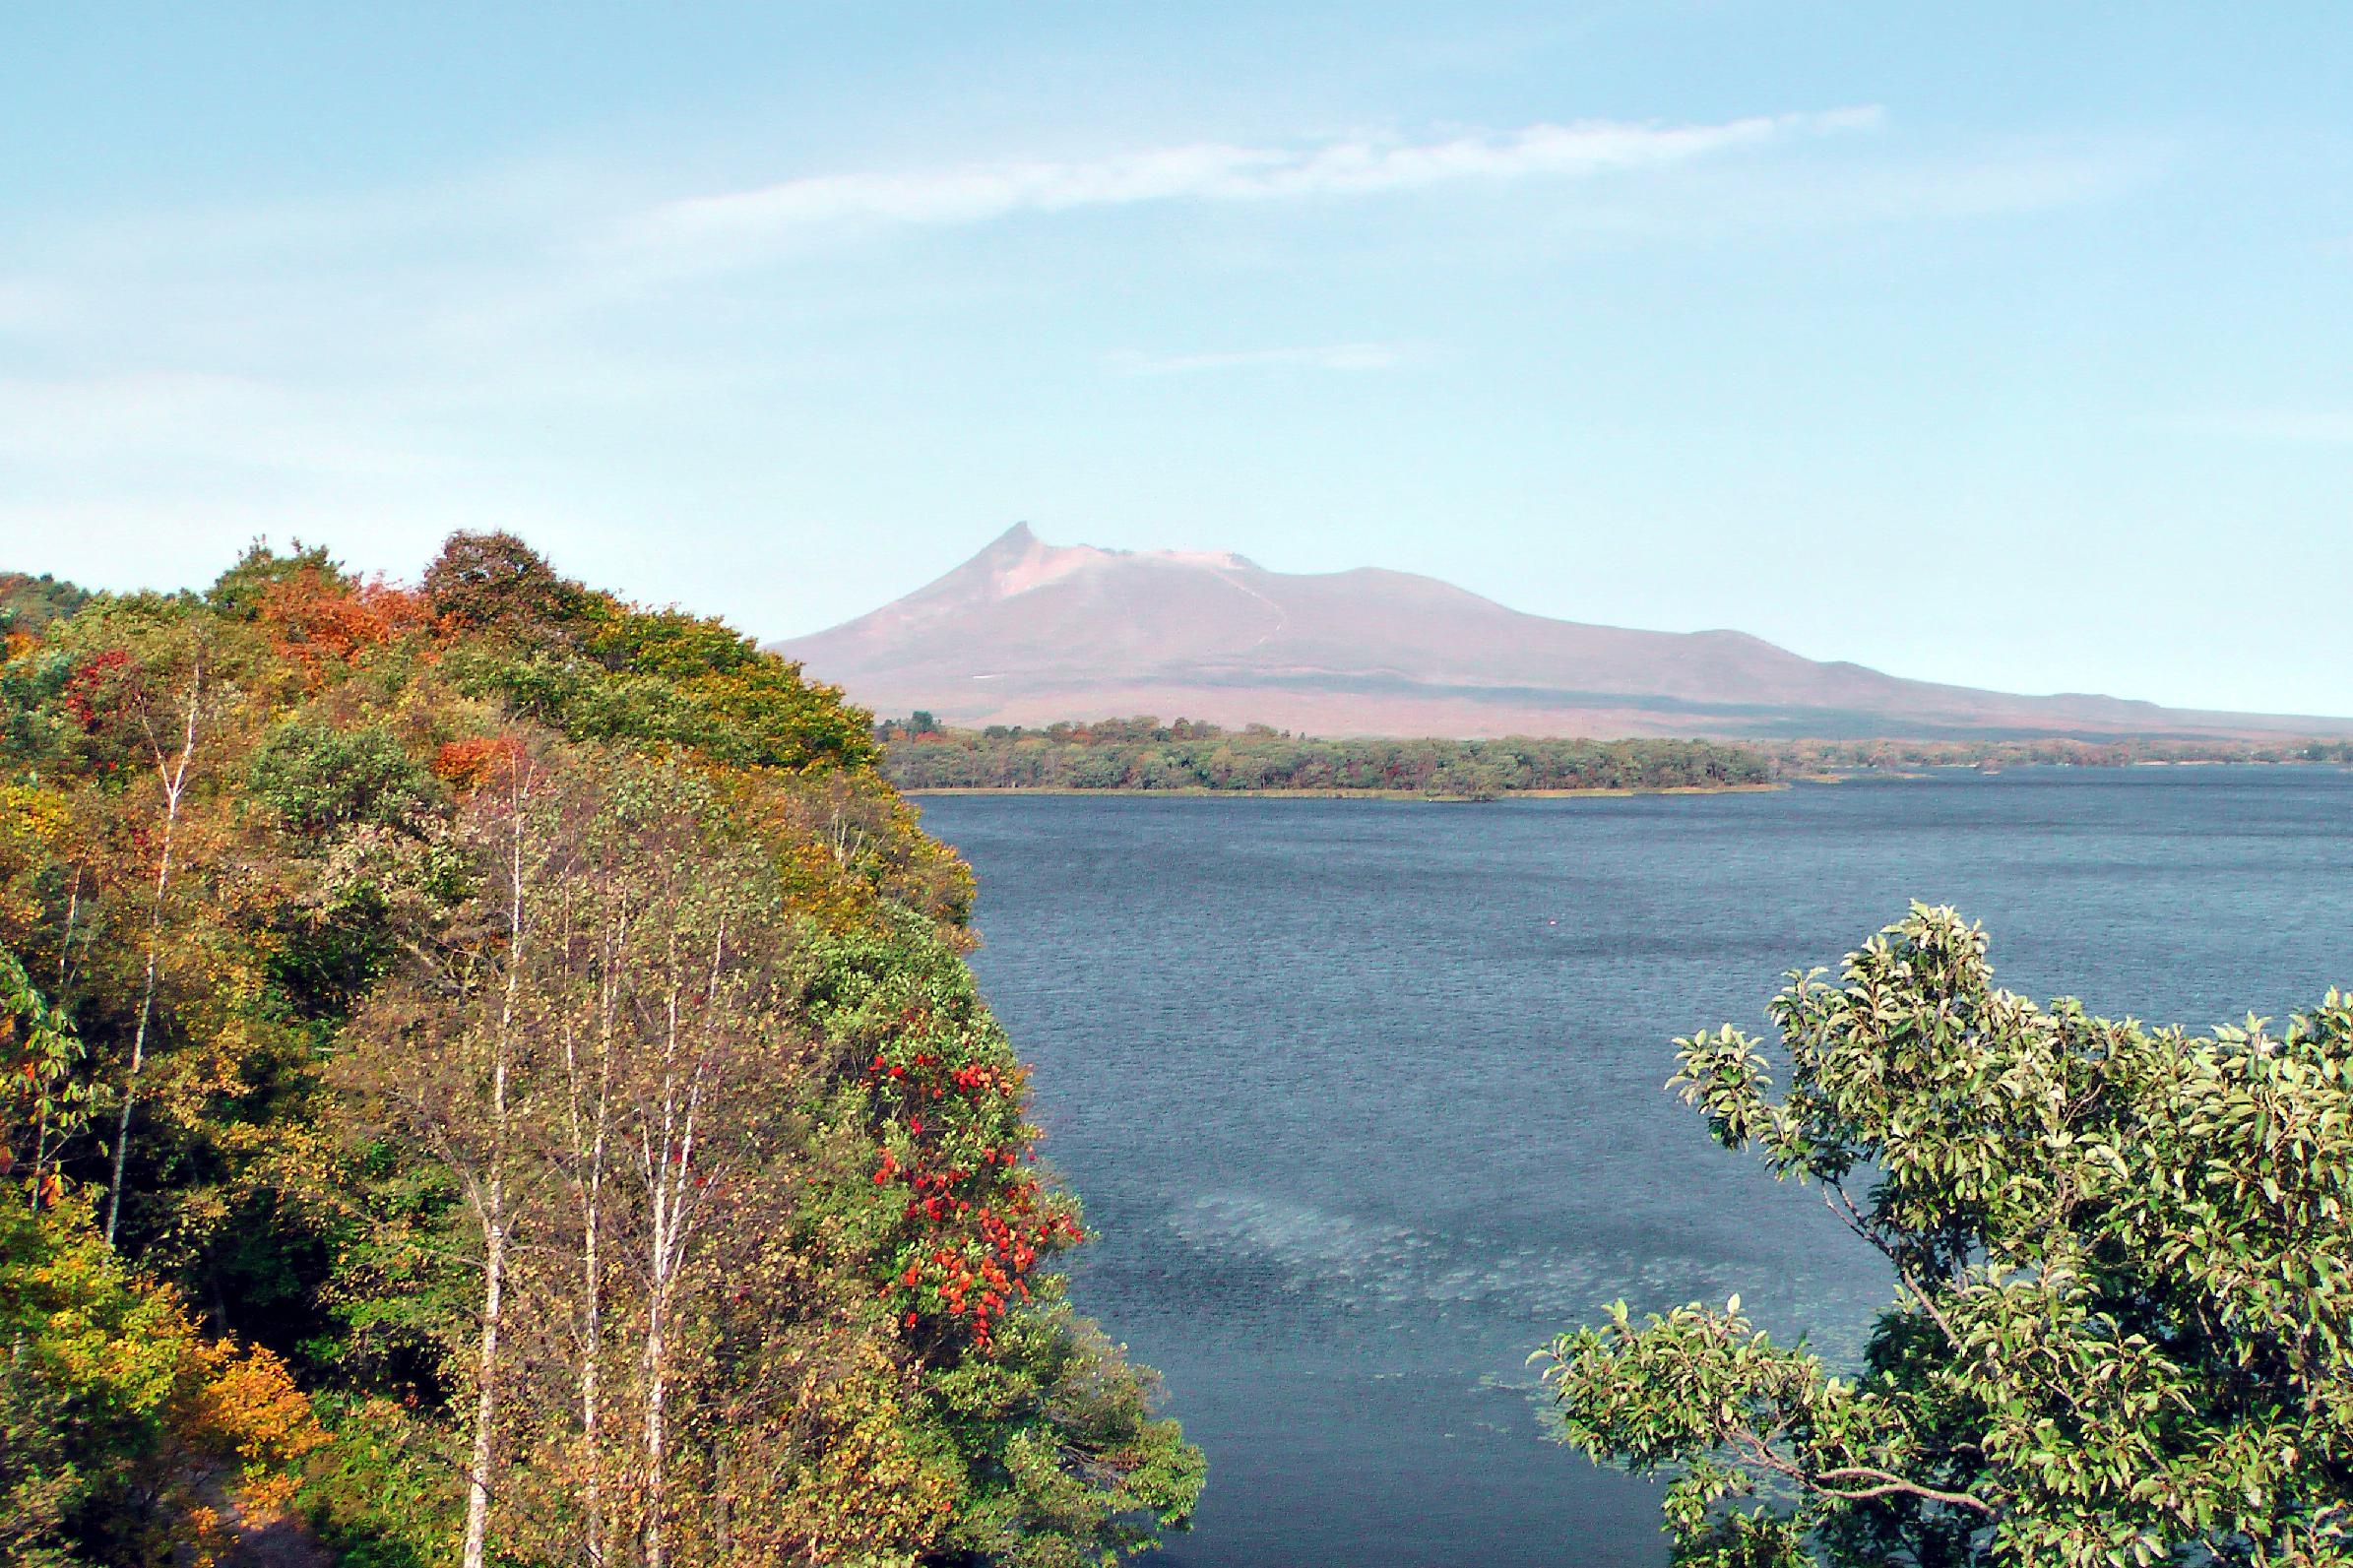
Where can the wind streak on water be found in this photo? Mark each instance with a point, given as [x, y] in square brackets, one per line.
[1366, 1098]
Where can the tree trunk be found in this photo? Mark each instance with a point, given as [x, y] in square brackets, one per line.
[590, 1356]
[493, 1202]
[486, 1398]
[657, 1435]
[590, 1128]
[671, 1186]
[175, 782]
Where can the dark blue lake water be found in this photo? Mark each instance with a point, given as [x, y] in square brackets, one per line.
[1365, 1097]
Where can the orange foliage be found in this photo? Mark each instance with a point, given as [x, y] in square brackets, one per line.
[314, 619]
[249, 1403]
[468, 762]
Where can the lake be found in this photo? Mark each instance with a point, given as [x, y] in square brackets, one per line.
[1365, 1097]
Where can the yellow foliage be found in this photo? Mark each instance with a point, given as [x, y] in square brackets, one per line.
[32, 826]
[33, 819]
[250, 1405]
[131, 1359]
[848, 1475]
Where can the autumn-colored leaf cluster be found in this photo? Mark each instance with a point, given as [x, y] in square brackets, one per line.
[361, 944]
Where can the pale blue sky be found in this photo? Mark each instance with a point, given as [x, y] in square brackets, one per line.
[2001, 345]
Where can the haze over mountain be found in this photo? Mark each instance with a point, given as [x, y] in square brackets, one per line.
[1027, 632]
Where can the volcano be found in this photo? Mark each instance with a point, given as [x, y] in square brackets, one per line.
[1029, 633]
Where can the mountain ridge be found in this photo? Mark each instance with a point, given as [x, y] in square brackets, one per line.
[1027, 632]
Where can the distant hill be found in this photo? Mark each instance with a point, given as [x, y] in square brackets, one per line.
[1027, 632]
[29, 603]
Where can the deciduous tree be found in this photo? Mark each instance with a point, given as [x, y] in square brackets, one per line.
[2123, 1276]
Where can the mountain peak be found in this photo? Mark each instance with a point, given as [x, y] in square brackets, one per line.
[1028, 632]
[1017, 561]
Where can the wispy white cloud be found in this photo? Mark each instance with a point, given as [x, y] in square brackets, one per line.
[1326, 356]
[2310, 427]
[93, 425]
[1214, 171]
[557, 344]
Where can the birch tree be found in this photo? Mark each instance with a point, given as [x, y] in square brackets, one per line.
[452, 1054]
[596, 945]
[702, 1026]
[159, 719]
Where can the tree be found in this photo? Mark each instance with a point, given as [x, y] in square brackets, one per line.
[122, 1429]
[2124, 1286]
[703, 1028]
[466, 978]
[41, 1102]
[495, 583]
[452, 1058]
[154, 708]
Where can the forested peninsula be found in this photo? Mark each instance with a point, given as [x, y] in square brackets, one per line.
[491, 1076]
[1144, 756]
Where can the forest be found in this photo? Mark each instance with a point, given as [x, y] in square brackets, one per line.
[1145, 754]
[491, 1076]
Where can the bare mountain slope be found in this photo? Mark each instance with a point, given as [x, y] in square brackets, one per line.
[1027, 632]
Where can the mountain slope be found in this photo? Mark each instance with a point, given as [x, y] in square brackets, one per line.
[1026, 632]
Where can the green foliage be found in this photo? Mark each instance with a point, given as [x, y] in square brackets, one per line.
[242, 592]
[380, 1494]
[597, 670]
[29, 603]
[249, 840]
[1068, 1465]
[935, 1200]
[1144, 754]
[43, 1099]
[115, 1411]
[319, 778]
[2126, 1287]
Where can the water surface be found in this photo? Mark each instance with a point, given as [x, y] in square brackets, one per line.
[1365, 1097]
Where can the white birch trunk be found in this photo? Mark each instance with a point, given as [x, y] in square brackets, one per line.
[175, 782]
[492, 1204]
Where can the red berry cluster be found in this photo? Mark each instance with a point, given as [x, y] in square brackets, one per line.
[972, 1228]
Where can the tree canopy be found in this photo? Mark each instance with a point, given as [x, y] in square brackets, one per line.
[1145, 754]
[489, 1074]
[2121, 1255]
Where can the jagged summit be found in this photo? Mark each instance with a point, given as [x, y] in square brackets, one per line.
[1027, 632]
[1017, 561]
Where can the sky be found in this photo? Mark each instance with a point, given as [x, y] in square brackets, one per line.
[2001, 345]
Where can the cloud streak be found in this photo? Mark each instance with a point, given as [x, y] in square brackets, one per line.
[1213, 171]
[1354, 356]
[2319, 426]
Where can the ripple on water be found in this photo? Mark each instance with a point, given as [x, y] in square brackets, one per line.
[1365, 1103]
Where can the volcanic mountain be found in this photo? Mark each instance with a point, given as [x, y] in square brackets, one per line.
[1027, 632]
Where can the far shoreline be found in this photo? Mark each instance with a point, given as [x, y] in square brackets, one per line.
[1203, 792]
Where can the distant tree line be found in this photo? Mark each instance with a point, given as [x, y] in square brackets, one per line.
[1808, 756]
[29, 603]
[1145, 754]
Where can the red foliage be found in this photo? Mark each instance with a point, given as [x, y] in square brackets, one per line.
[975, 1234]
[90, 692]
